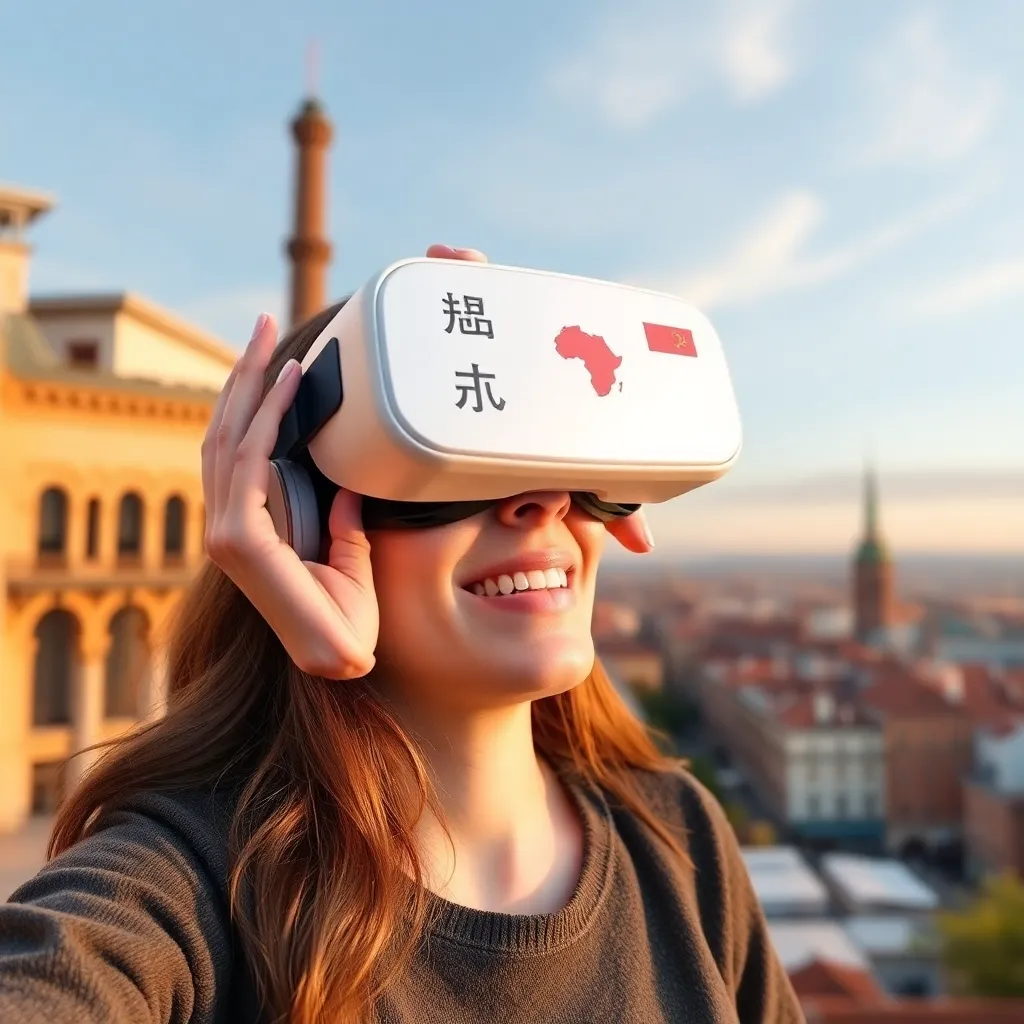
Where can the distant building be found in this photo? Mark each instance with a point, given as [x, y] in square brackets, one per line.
[994, 803]
[928, 751]
[637, 664]
[807, 750]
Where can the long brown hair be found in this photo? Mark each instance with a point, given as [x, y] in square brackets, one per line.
[329, 787]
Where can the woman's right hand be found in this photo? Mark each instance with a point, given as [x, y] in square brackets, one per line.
[326, 616]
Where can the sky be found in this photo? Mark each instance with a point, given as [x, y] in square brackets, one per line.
[836, 185]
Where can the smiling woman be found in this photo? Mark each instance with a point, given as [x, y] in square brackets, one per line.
[392, 787]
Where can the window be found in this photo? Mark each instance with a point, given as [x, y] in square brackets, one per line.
[870, 804]
[53, 522]
[56, 636]
[813, 805]
[92, 530]
[842, 805]
[174, 529]
[129, 527]
[83, 353]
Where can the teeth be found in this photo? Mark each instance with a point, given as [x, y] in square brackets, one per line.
[535, 579]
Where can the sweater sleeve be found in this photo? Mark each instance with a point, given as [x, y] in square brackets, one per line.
[126, 927]
[735, 923]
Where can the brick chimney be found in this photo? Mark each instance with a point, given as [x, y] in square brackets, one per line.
[308, 248]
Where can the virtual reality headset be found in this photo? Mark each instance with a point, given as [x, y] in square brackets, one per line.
[443, 386]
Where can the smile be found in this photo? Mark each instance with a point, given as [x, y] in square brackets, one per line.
[506, 584]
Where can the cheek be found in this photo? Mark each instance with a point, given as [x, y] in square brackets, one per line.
[413, 572]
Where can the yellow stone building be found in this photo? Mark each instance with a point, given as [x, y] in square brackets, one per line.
[104, 401]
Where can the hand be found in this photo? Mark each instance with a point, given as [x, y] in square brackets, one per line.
[326, 616]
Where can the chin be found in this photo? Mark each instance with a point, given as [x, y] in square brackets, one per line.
[533, 672]
[468, 672]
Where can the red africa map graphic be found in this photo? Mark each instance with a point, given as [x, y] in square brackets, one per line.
[601, 362]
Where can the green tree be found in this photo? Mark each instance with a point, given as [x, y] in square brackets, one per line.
[983, 945]
[704, 772]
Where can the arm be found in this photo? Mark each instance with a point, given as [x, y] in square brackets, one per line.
[126, 927]
[764, 994]
[734, 921]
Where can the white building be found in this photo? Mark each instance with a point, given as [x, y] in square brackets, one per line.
[784, 882]
[873, 885]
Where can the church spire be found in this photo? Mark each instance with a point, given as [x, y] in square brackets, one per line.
[870, 503]
[874, 597]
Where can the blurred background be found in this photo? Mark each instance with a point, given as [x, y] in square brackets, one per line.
[834, 634]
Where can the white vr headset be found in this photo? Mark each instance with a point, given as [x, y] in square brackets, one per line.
[443, 386]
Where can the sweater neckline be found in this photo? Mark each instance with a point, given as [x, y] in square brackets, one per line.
[539, 933]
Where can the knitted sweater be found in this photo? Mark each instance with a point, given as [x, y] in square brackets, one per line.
[131, 925]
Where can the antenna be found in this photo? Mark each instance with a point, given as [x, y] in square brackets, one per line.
[313, 67]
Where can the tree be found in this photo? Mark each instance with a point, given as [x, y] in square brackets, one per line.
[983, 945]
[761, 833]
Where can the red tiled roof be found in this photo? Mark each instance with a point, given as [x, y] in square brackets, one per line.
[989, 702]
[895, 691]
[783, 630]
[798, 713]
[844, 1010]
[827, 978]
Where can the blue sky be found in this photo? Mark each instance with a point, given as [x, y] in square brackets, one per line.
[837, 185]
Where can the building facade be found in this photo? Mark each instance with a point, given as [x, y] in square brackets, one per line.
[104, 403]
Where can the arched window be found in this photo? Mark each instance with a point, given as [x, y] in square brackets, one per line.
[56, 636]
[92, 530]
[129, 527]
[174, 529]
[53, 523]
[126, 663]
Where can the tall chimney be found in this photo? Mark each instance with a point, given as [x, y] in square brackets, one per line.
[308, 248]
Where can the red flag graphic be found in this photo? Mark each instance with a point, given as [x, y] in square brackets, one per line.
[675, 340]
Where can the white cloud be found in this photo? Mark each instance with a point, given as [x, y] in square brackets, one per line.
[638, 66]
[924, 107]
[772, 256]
[968, 292]
[751, 49]
[231, 314]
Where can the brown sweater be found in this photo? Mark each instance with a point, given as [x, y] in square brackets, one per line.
[131, 925]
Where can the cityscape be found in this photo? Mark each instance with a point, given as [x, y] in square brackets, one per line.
[859, 717]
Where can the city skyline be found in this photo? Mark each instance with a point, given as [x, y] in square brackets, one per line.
[836, 192]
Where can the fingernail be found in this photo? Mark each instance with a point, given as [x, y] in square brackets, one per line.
[261, 321]
[288, 367]
[648, 536]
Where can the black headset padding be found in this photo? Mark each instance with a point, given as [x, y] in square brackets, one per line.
[291, 501]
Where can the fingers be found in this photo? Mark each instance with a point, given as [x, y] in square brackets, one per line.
[447, 252]
[632, 532]
[250, 468]
[208, 450]
[241, 405]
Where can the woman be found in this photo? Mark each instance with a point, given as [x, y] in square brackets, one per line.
[380, 795]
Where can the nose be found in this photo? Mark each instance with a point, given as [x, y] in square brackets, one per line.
[533, 509]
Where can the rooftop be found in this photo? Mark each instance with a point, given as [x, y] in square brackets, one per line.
[20, 206]
[784, 882]
[799, 943]
[876, 882]
[823, 977]
[886, 936]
